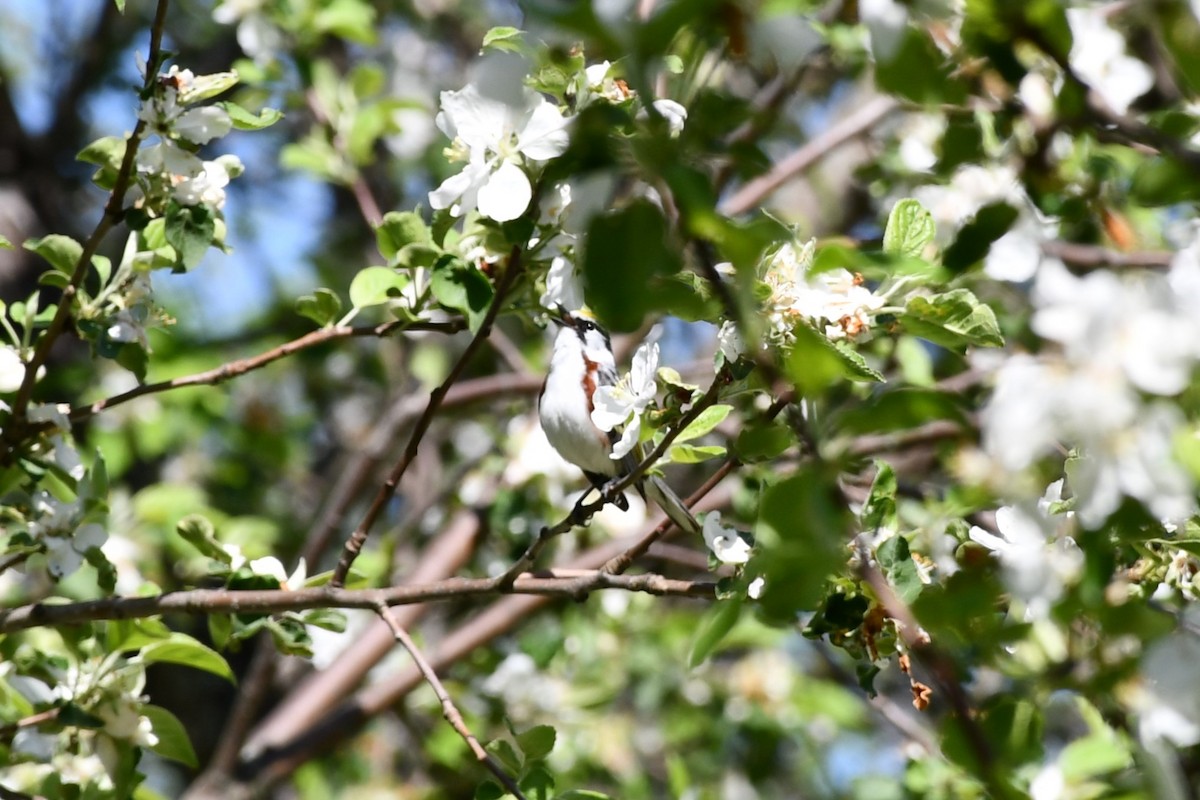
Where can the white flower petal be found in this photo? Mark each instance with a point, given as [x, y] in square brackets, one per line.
[202, 125]
[506, 193]
[545, 133]
[12, 370]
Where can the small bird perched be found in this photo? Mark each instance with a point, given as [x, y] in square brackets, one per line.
[581, 363]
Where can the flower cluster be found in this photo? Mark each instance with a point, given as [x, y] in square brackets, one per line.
[171, 168]
[1117, 340]
[621, 405]
[835, 301]
[1036, 549]
[498, 141]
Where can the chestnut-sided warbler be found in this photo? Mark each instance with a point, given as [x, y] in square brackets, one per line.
[581, 363]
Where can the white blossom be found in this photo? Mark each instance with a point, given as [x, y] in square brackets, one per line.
[1134, 325]
[273, 568]
[1098, 56]
[624, 402]
[256, 34]
[208, 185]
[12, 369]
[1038, 555]
[496, 138]
[563, 286]
[730, 344]
[755, 589]
[726, 544]
[673, 112]
[835, 300]
[168, 117]
[886, 22]
[56, 524]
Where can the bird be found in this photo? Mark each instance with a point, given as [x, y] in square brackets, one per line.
[582, 361]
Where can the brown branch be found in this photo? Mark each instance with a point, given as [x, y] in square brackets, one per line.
[358, 538]
[449, 710]
[113, 211]
[241, 366]
[6, 731]
[853, 125]
[273, 601]
[285, 755]
[1089, 256]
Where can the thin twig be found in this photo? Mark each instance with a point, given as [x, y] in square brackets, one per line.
[368, 206]
[113, 211]
[6, 731]
[241, 366]
[449, 710]
[358, 538]
[853, 125]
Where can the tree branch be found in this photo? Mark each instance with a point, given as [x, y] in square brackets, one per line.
[358, 538]
[113, 211]
[241, 366]
[264, 601]
[449, 710]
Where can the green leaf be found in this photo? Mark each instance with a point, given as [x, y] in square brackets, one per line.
[582, 794]
[246, 120]
[173, 741]
[62, 252]
[376, 285]
[801, 533]
[505, 754]
[134, 634]
[349, 19]
[919, 72]
[183, 649]
[503, 38]
[190, 230]
[709, 418]
[972, 243]
[1093, 756]
[693, 454]
[462, 288]
[901, 571]
[909, 229]
[537, 742]
[74, 716]
[322, 306]
[5, 244]
[106, 153]
[763, 441]
[399, 229]
[120, 4]
[198, 531]
[626, 249]
[220, 629]
[814, 363]
[902, 409]
[714, 625]
[880, 509]
[955, 319]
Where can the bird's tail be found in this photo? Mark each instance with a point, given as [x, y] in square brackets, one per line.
[662, 494]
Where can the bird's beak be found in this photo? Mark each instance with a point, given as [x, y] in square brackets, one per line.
[560, 315]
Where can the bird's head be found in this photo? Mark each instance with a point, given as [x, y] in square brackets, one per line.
[582, 322]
